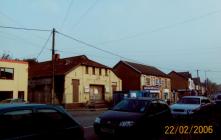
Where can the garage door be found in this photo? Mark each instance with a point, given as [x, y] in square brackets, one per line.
[96, 92]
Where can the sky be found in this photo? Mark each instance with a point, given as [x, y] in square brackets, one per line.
[180, 35]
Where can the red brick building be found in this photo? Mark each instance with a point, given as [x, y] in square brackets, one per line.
[142, 77]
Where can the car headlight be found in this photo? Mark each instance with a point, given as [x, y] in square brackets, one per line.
[126, 123]
[97, 120]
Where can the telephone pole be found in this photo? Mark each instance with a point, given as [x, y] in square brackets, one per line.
[53, 67]
[197, 73]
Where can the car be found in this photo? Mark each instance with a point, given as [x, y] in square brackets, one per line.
[188, 104]
[216, 98]
[13, 100]
[37, 121]
[134, 118]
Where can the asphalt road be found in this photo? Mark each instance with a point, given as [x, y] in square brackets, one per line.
[86, 119]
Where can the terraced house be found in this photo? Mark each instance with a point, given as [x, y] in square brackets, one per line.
[13, 79]
[142, 77]
[78, 81]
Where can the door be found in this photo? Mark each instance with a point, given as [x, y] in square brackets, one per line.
[75, 84]
[21, 94]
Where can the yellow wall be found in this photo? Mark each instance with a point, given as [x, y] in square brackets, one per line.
[20, 81]
[165, 85]
[86, 80]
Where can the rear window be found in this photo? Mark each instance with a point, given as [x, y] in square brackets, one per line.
[189, 101]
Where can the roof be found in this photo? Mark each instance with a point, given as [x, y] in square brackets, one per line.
[5, 106]
[196, 81]
[185, 74]
[13, 61]
[201, 97]
[62, 66]
[144, 69]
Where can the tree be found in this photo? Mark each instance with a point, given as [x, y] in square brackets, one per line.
[5, 56]
[211, 87]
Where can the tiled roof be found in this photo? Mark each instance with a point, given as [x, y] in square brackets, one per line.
[144, 69]
[62, 66]
[196, 81]
[185, 74]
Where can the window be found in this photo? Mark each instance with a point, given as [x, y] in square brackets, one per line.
[157, 82]
[147, 81]
[16, 123]
[86, 70]
[6, 73]
[52, 119]
[106, 72]
[100, 71]
[93, 71]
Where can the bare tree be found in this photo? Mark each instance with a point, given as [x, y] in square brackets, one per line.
[5, 56]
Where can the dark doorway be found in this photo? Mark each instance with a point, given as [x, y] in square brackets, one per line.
[21, 94]
[75, 83]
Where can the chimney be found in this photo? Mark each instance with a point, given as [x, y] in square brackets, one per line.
[56, 57]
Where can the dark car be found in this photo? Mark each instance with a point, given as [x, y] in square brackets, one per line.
[37, 121]
[133, 118]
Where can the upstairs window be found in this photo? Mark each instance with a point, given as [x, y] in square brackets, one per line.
[147, 81]
[93, 71]
[6, 73]
[106, 72]
[86, 70]
[100, 71]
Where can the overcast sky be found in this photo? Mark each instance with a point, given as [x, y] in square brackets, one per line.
[180, 35]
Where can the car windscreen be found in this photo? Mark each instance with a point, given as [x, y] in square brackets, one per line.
[189, 101]
[131, 105]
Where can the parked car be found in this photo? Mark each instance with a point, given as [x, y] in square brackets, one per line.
[13, 101]
[216, 98]
[188, 104]
[37, 121]
[133, 118]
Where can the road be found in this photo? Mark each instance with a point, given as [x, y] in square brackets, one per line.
[86, 119]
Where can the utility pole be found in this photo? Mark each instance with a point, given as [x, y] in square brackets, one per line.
[197, 73]
[53, 67]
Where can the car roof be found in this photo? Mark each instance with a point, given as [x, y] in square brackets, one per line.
[201, 97]
[6, 106]
[146, 99]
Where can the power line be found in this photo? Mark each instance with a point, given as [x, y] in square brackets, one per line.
[45, 44]
[160, 28]
[27, 29]
[84, 14]
[117, 55]
[90, 45]
[66, 14]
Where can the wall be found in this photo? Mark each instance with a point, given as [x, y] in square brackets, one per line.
[130, 78]
[20, 81]
[178, 82]
[89, 79]
[164, 84]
